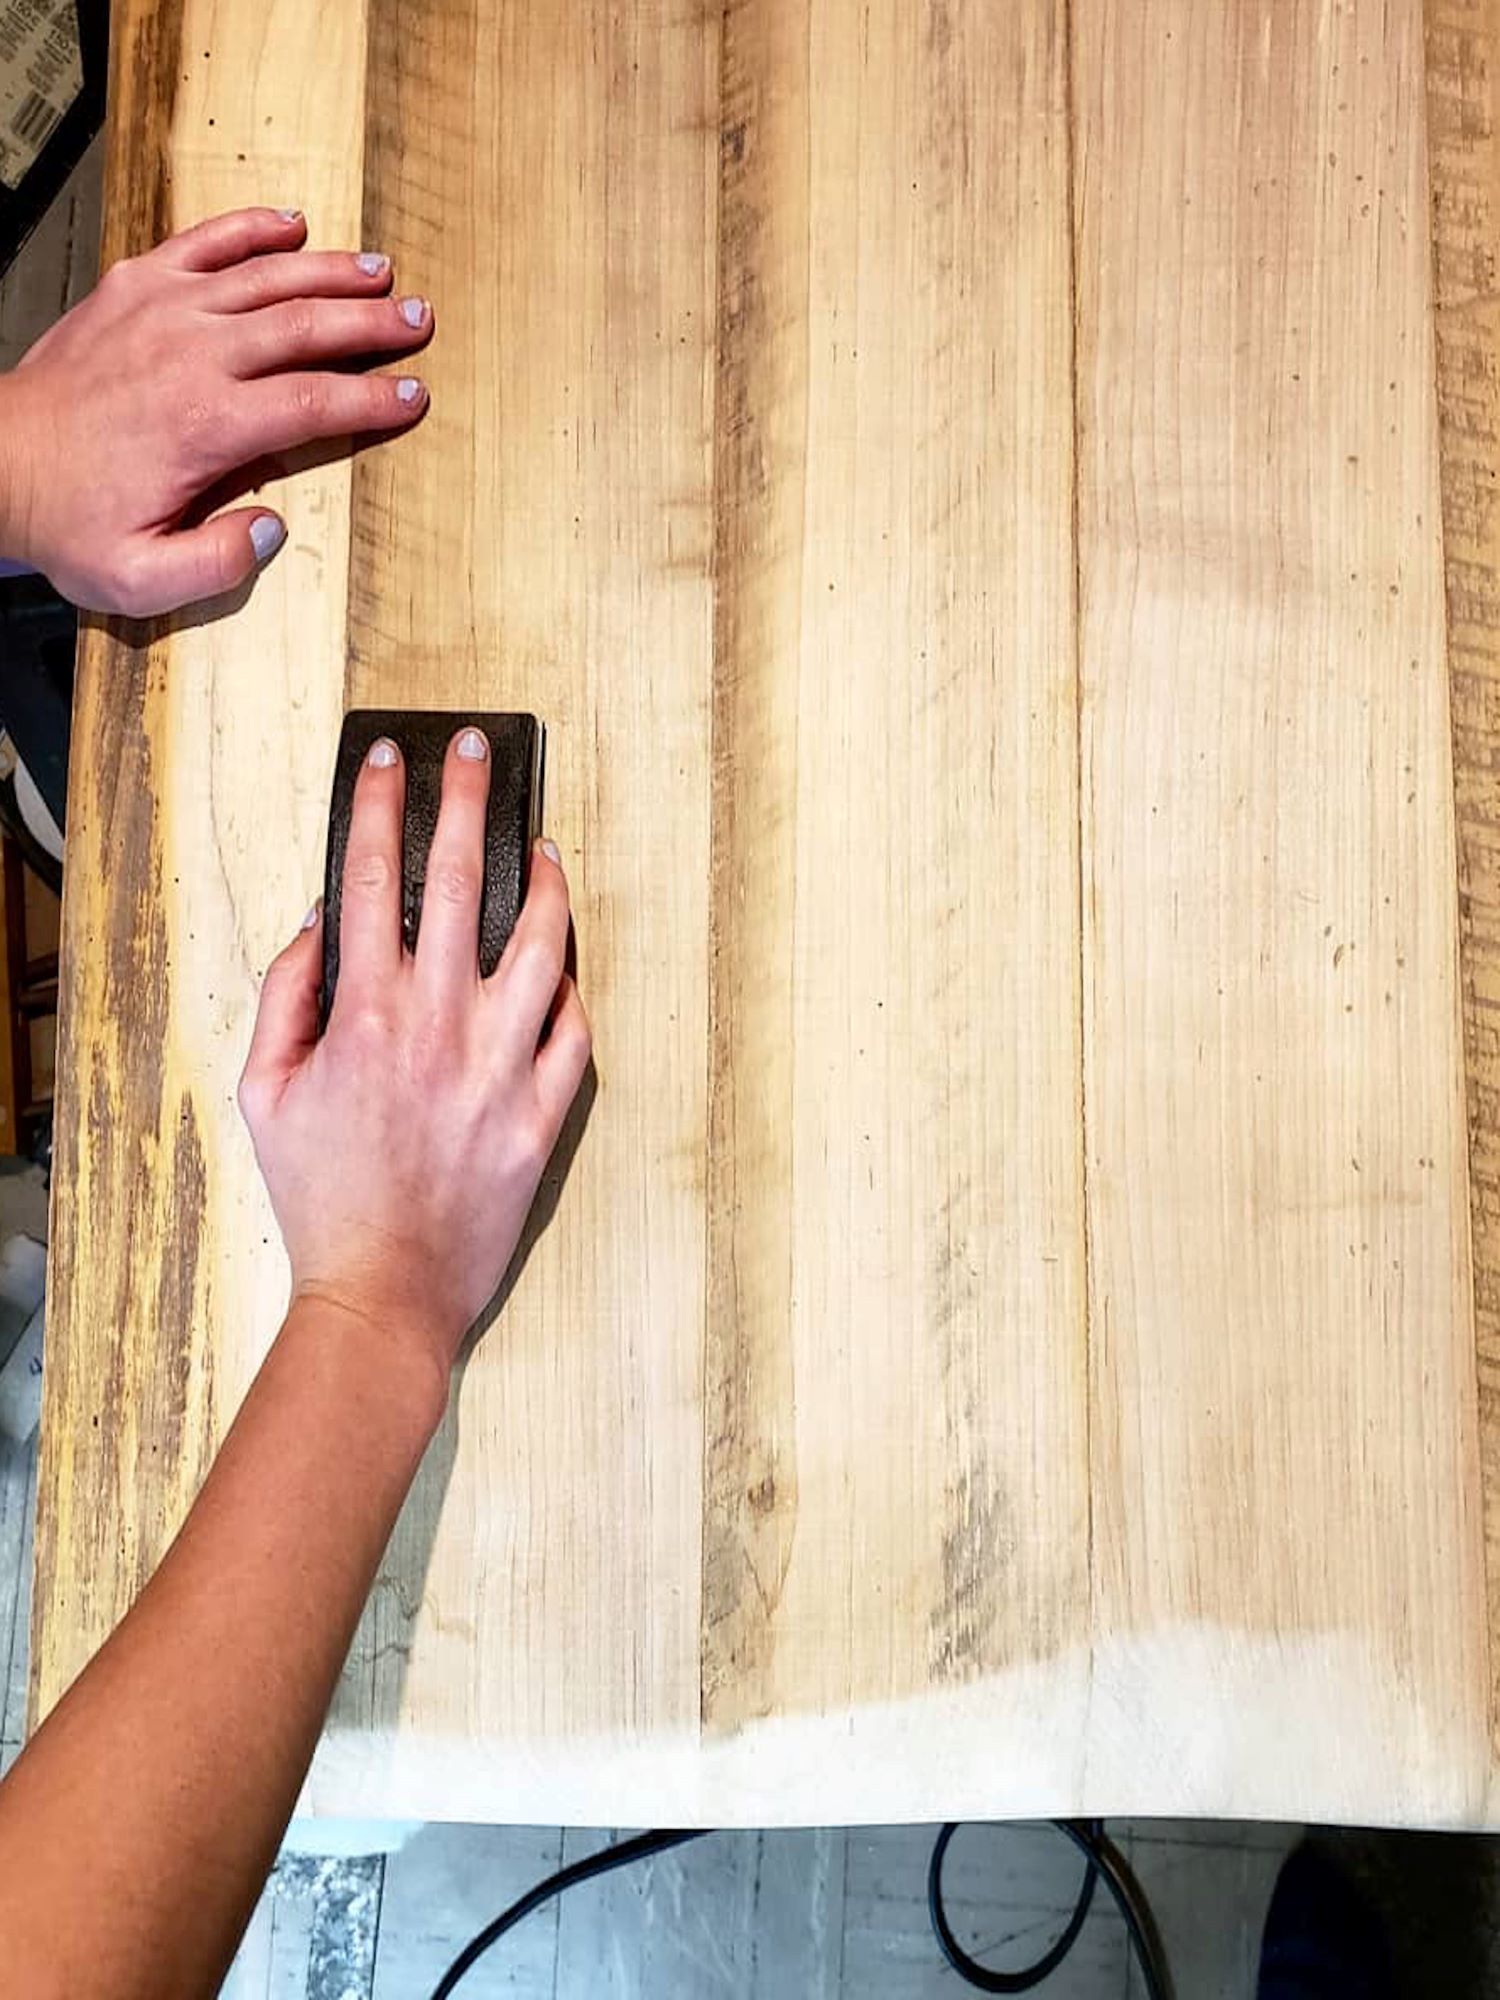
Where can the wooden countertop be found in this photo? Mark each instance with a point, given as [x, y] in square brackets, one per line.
[968, 489]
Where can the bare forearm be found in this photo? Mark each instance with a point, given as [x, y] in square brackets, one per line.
[136, 1829]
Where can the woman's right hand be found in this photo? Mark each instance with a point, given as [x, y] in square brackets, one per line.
[404, 1147]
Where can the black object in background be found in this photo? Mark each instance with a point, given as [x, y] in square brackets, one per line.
[21, 209]
[38, 640]
[515, 817]
[1103, 1863]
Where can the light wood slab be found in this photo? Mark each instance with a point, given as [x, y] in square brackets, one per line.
[962, 485]
[1284, 1430]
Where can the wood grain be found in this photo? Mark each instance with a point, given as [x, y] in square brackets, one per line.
[105, 1485]
[1283, 1380]
[190, 741]
[1463, 118]
[572, 399]
[961, 485]
[896, 1348]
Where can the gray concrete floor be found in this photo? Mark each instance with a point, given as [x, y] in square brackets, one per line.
[755, 1916]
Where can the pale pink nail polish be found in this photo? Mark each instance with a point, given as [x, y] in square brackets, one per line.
[472, 747]
[313, 914]
[414, 311]
[408, 389]
[549, 848]
[372, 263]
[382, 753]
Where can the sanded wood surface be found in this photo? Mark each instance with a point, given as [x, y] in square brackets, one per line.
[962, 485]
[1463, 100]
[1283, 1358]
[896, 1357]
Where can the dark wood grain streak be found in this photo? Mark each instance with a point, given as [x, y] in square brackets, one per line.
[421, 136]
[1463, 122]
[119, 1452]
[750, 1483]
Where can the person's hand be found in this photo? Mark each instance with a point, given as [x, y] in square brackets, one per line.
[224, 346]
[403, 1150]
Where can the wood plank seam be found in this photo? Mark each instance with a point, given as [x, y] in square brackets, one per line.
[1070, 30]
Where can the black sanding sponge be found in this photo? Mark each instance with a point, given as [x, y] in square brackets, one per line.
[515, 817]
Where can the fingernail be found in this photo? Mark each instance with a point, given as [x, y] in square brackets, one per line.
[290, 214]
[267, 534]
[382, 753]
[472, 746]
[549, 848]
[408, 389]
[372, 263]
[414, 311]
[313, 914]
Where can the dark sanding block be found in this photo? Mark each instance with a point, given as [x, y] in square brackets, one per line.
[515, 817]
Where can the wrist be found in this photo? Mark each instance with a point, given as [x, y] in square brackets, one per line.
[392, 1362]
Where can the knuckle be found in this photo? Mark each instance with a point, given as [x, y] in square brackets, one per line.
[369, 871]
[578, 1040]
[129, 583]
[539, 955]
[365, 1025]
[214, 567]
[297, 323]
[121, 277]
[198, 418]
[259, 282]
[284, 965]
[251, 1097]
[454, 883]
[309, 400]
[532, 1142]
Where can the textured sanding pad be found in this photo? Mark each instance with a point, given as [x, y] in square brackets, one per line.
[515, 815]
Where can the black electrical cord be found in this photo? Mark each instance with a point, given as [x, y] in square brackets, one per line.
[1102, 1859]
[637, 1848]
[987, 1978]
[1130, 1899]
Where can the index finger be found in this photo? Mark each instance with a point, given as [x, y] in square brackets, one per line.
[227, 239]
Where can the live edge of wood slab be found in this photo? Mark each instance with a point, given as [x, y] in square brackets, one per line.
[1015, 1326]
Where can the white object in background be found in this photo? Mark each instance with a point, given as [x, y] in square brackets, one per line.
[23, 1280]
[21, 1382]
[37, 814]
[349, 1838]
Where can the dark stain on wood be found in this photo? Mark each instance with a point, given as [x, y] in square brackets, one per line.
[978, 1566]
[125, 1291]
[145, 64]
[421, 106]
[126, 1306]
[750, 1480]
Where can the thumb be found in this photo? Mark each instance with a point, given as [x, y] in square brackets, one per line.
[286, 1026]
[192, 564]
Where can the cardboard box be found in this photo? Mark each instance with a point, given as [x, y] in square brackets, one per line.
[53, 58]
